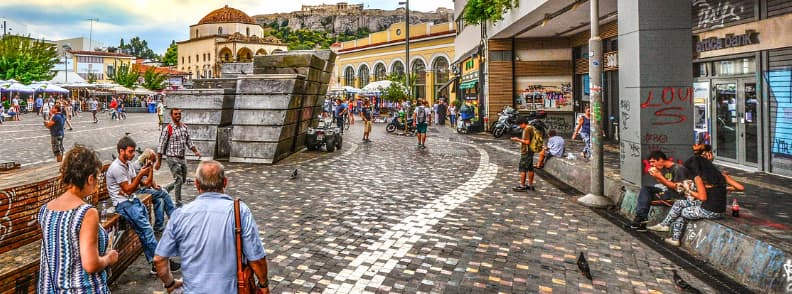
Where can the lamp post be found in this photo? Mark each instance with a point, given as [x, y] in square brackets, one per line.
[66, 49]
[406, 4]
[596, 197]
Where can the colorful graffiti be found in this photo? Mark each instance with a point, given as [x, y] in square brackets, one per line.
[780, 84]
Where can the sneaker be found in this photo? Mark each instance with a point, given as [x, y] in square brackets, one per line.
[672, 242]
[153, 270]
[659, 228]
[520, 188]
[530, 188]
[638, 224]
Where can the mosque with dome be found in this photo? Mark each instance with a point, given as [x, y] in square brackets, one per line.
[224, 35]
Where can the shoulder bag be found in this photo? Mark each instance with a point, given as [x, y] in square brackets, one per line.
[246, 278]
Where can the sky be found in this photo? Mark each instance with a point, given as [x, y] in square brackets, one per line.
[156, 21]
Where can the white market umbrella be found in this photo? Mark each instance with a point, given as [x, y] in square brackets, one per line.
[13, 86]
[50, 88]
[350, 89]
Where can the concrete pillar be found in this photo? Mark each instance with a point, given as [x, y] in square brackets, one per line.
[655, 80]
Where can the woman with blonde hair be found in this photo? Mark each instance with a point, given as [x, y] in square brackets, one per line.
[74, 247]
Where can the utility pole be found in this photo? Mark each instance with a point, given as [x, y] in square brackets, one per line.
[596, 197]
[90, 34]
[408, 71]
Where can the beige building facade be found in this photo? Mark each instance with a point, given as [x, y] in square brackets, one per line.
[381, 54]
[223, 35]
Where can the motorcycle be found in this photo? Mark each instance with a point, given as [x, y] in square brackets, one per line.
[507, 121]
[396, 124]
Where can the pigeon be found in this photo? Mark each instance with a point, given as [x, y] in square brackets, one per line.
[684, 286]
[127, 134]
[293, 175]
[584, 266]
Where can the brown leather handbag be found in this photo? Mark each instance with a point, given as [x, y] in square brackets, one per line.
[246, 278]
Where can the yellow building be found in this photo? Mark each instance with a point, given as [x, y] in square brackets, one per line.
[223, 35]
[382, 53]
[99, 65]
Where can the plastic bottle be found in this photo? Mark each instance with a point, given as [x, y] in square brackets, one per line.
[735, 208]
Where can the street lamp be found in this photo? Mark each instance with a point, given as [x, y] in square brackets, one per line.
[66, 49]
[406, 4]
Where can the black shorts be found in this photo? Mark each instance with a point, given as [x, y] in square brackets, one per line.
[526, 162]
[57, 145]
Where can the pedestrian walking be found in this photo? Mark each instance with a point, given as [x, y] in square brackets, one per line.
[202, 233]
[174, 139]
[452, 114]
[422, 117]
[340, 114]
[435, 112]
[584, 130]
[442, 109]
[55, 125]
[67, 109]
[366, 116]
[39, 104]
[74, 247]
[122, 184]
[526, 156]
[93, 106]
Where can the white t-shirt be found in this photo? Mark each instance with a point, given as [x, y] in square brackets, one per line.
[117, 173]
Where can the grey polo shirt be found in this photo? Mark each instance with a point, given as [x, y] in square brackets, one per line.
[118, 172]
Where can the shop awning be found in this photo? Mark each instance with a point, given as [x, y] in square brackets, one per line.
[468, 85]
[448, 83]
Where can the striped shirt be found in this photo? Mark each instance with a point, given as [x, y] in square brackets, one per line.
[60, 268]
[173, 143]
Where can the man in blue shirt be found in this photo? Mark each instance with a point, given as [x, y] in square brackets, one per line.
[202, 233]
[55, 125]
[340, 114]
[39, 104]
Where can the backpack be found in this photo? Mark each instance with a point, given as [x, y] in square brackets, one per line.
[537, 140]
[421, 114]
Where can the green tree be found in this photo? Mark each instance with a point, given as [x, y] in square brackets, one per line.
[139, 48]
[26, 60]
[153, 80]
[171, 56]
[397, 90]
[91, 78]
[482, 11]
[126, 76]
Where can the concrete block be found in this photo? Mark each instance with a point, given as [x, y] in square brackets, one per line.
[207, 149]
[262, 133]
[326, 55]
[219, 83]
[270, 84]
[223, 142]
[232, 70]
[253, 152]
[264, 117]
[265, 101]
[310, 74]
[202, 117]
[203, 132]
[289, 59]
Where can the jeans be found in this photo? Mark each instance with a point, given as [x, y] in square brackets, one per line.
[136, 214]
[586, 144]
[340, 123]
[684, 210]
[645, 197]
[453, 119]
[162, 205]
[178, 168]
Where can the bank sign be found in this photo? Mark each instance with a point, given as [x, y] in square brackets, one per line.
[750, 37]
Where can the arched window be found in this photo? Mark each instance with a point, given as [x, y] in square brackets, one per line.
[219, 30]
[379, 72]
[349, 77]
[440, 68]
[397, 68]
[419, 71]
[363, 75]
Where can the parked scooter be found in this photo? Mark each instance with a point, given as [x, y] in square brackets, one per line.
[507, 121]
[396, 124]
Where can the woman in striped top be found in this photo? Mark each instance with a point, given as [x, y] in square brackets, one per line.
[74, 247]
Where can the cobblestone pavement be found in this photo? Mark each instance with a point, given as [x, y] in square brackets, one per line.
[28, 142]
[386, 217]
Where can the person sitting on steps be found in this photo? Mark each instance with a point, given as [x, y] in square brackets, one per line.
[667, 174]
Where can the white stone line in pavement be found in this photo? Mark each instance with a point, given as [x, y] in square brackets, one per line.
[346, 154]
[503, 149]
[41, 123]
[381, 257]
[100, 149]
[80, 131]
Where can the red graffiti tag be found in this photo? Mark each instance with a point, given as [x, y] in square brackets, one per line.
[667, 97]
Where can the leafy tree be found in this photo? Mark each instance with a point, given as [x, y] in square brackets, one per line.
[171, 56]
[153, 80]
[125, 75]
[139, 48]
[91, 78]
[26, 60]
[397, 90]
[482, 11]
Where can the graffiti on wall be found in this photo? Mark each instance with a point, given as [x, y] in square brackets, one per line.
[666, 111]
[715, 14]
[780, 84]
[561, 123]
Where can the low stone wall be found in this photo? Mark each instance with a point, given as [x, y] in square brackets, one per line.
[749, 258]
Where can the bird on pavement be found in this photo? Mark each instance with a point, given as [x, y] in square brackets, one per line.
[293, 175]
[684, 286]
[584, 266]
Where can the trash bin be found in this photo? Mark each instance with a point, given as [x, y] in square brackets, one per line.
[152, 108]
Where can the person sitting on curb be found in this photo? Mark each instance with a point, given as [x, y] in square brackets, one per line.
[707, 197]
[667, 174]
[553, 148]
[122, 183]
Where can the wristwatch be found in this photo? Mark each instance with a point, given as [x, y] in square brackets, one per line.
[169, 285]
[264, 285]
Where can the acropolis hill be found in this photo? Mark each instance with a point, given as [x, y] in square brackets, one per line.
[345, 17]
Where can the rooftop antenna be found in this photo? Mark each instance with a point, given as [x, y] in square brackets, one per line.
[90, 34]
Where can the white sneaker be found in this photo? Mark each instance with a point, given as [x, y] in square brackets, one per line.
[672, 242]
[659, 228]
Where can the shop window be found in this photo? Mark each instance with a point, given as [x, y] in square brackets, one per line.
[363, 75]
[735, 67]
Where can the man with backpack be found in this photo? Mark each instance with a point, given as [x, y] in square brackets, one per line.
[173, 140]
[422, 117]
[530, 143]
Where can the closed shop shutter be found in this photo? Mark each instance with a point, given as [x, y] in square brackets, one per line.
[778, 7]
[779, 81]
